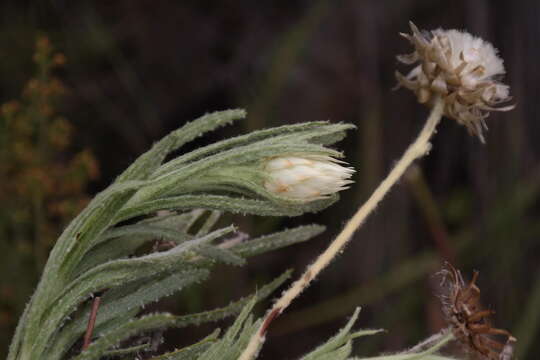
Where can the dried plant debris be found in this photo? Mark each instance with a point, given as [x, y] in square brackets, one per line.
[469, 321]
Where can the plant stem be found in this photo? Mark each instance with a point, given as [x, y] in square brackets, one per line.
[91, 322]
[431, 212]
[417, 149]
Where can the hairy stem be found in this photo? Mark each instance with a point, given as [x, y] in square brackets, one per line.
[417, 149]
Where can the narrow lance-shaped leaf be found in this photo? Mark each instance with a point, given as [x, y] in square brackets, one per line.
[140, 169]
[84, 231]
[210, 222]
[181, 222]
[249, 248]
[277, 240]
[99, 347]
[124, 240]
[429, 354]
[128, 350]
[318, 132]
[220, 255]
[115, 322]
[223, 203]
[152, 231]
[124, 299]
[113, 274]
[168, 183]
[339, 346]
[111, 250]
[152, 159]
[231, 309]
[227, 347]
[192, 351]
[19, 332]
[167, 320]
[81, 231]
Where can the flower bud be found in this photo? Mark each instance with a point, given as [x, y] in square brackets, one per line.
[306, 178]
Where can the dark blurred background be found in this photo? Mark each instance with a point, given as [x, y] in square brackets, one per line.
[133, 70]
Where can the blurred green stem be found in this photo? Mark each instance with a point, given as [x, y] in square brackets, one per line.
[528, 326]
[428, 207]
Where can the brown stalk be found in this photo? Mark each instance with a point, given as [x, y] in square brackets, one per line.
[91, 322]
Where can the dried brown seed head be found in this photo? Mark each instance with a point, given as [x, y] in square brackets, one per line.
[462, 69]
[469, 321]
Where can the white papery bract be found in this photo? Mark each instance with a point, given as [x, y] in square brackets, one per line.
[462, 69]
[306, 178]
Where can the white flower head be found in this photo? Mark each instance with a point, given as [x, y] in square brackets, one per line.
[464, 70]
[306, 177]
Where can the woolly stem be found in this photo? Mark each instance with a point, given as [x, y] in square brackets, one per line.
[417, 149]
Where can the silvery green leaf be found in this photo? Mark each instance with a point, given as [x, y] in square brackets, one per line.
[277, 240]
[125, 299]
[190, 352]
[67, 253]
[99, 347]
[231, 345]
[151, 231]
[181, 222]
[126, 245]
[217, 254]
[129, 298]
[151, 322]
[210, 222]
[19, 331]
[115, 273]
[98, 215]
[316, 130]
[113, 323]
[85, 230]
[152, 159]
[128, 350]
[124, 240]
[341, 353]
[122, 301]
[111, 250]
[242, 155]
[224, 203]
[233, 308]
[331, 134]
[339, 346]
[89, 255]
[428, 354]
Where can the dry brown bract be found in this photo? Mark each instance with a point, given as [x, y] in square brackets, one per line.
[464, 70]
[469, 322]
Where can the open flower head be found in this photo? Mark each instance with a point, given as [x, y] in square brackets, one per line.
[306, 178]
[464, 70]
